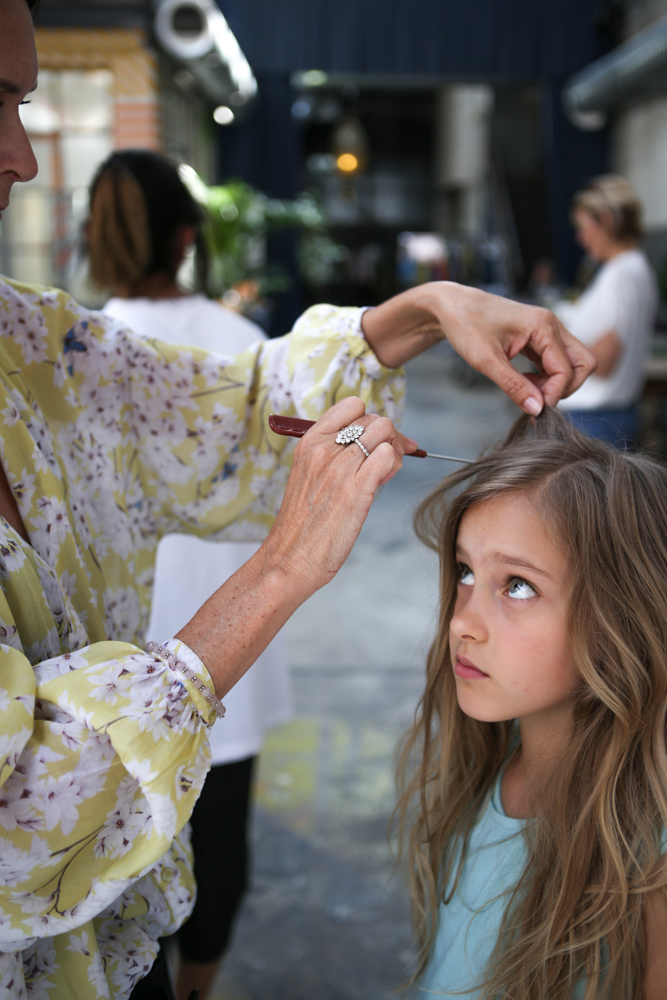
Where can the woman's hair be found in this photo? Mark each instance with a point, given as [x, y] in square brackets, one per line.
[138, 208]
[32, 6]
[593, 849]
[612, 199]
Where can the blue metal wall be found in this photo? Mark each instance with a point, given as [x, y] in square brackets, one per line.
[529, 39]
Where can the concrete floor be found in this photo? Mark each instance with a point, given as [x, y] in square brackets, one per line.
[324, 917]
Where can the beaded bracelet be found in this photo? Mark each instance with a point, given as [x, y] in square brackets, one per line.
[155, 649]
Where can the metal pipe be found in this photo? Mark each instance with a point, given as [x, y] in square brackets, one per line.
[590, 95]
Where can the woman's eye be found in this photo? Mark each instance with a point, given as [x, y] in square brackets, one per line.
[520, 589]
[466, 576]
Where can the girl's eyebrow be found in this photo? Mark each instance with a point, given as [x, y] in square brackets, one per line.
[501, 557]
[507, 560]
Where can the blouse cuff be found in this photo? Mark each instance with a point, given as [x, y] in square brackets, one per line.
[202, 676]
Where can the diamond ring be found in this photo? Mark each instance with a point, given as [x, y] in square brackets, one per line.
[350, 434]
[365, 450]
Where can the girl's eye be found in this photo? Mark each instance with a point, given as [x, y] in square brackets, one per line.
[466, 576]
[520, 589]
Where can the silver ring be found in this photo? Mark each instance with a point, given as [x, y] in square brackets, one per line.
[349, 434]
[365, 450]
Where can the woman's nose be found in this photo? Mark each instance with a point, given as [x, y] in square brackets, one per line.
[26, 162]
[17, 159]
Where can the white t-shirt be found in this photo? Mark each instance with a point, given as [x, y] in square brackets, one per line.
[623, 297]
[190, 569]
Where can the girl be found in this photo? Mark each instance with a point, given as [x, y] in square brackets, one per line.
[541, 787]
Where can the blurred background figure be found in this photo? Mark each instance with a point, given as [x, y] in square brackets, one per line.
[143, 221]
[615, 316]
[543, 287]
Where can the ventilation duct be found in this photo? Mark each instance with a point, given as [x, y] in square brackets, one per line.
[195, 33]
[634, 71]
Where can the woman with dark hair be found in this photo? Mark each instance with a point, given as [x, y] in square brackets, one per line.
[142, 220]
[107, 442]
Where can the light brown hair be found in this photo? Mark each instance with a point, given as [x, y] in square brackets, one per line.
[594, 848]
[613, 202]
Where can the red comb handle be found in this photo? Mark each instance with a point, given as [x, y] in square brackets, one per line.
[289, 426]
[296, 428]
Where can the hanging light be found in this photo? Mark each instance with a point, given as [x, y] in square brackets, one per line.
[350, 146]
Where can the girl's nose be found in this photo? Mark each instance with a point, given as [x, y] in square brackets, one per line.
[468, 622]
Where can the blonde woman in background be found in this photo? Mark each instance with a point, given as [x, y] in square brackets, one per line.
[142, 221]
[616, 314]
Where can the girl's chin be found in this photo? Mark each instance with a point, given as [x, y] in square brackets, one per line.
[477, 708]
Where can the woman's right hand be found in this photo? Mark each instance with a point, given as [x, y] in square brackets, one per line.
[328, 495]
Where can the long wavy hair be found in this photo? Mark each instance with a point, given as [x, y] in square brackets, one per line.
[593, 849]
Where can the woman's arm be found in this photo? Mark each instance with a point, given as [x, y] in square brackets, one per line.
[487, 331]
[329, 493]
[607, 351]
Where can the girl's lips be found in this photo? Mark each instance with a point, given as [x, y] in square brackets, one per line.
[464, 668]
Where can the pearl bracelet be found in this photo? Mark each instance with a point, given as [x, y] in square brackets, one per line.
[155, 649]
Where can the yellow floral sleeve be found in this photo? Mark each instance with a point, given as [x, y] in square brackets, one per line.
[109, 441]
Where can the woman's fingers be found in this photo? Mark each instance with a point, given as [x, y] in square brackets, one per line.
[345, 412]
[489, 331]
[329, 493]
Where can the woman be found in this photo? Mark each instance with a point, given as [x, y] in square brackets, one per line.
[142, 221]
[107, 442]
[616, 314]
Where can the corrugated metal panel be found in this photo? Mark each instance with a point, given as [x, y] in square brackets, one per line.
[526, 39]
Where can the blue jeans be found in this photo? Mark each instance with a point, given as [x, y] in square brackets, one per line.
[617, 427]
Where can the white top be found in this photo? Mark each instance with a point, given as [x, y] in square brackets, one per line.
[623, 297]
[189, 569]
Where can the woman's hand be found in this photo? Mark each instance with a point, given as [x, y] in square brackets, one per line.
[487, 331]
[329, 493]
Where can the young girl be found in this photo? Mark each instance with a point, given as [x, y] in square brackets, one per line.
[539, 800]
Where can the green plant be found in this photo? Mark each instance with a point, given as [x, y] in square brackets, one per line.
[238, 221]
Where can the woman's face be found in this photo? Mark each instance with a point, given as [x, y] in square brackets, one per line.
[18, 76]
[594, 235]
[508, 639]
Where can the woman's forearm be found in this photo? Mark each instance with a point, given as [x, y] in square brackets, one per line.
[607, 351]
[329, 492]
[405, 325]
[236, 624]
[487, 331]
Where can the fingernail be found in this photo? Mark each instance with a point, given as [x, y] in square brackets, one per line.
[410, 441]
[533, 406]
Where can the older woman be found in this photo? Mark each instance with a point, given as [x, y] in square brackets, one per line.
[615, 315]
[107, 442]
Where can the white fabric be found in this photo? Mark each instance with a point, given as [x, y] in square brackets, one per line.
[623, 298]
[189, 569]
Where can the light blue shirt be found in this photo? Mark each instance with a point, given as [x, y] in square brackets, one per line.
[468, 926]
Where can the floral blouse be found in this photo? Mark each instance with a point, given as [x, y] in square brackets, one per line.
[109, 441]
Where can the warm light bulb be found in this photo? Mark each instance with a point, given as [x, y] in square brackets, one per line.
[347, 162]
[223, 115]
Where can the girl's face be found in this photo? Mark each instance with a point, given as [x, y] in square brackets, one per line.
[508, 638]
